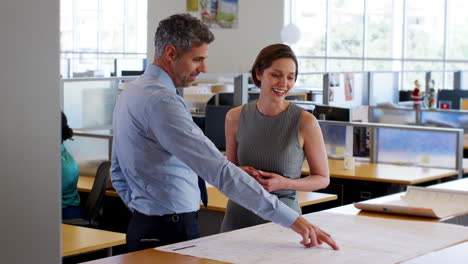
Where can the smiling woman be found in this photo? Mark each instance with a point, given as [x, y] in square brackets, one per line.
[274, 161]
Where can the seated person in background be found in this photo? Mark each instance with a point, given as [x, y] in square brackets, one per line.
[269, 137]
[70, 195]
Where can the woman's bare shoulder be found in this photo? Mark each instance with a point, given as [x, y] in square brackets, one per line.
[234, 113]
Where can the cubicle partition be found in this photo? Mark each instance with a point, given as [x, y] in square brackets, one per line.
[383, 87]
[378, 86]
[420, 117]
[395, 144]
[89, 102]
[460, 80]
[312, 82]
[347, 89]
[444, 118]
[90, 148]
[396, 116]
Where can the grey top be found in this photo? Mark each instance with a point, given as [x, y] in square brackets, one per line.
[271, 143]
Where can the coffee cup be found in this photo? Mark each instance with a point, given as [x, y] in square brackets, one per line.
[348, 163]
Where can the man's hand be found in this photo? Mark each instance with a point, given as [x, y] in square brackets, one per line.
[312, 235]
[272, 181]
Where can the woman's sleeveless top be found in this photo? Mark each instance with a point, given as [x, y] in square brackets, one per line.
[271, 143]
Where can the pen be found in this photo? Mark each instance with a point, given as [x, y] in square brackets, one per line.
[183, 248]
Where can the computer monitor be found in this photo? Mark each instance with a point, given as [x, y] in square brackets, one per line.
[332, 113]
[307, 105]
[291, 97]
[214, 124]
[451, 98]
[226, 98]
[132, 73]
[404, 95]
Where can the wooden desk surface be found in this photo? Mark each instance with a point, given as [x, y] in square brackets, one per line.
[456, 253]
[378, 172]
[217, 201]
[461, 185]
[85, 183]
[153, 256]
[77, 239]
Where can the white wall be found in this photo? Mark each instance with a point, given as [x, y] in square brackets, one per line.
[234, 50]
[29, 131]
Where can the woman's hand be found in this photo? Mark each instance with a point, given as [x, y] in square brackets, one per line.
[272, 181]
[251, 171]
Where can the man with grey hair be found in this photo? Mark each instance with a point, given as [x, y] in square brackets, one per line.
[158, 151]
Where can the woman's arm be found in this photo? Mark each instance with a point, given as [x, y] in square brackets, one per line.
[311, 139]
[231, 124]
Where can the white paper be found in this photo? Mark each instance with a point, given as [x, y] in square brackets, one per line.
[456, 254]
[430, 202]
[361, 239]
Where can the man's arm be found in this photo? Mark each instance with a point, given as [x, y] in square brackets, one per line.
[171, 124]
[118, 180]
[178, 134]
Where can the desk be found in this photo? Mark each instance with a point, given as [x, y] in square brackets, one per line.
[371, 180]
[77, 240]
[457, 253]
[153, 256]
[270, 243]
[210, 218]
[217, 201]
[85, 183]
[360, 238]
[388, 173]
[461, 185]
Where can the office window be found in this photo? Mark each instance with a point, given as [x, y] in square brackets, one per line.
[381, 29]
[412, 36]
[457, 27]
[100, 37]
[382, 65]
[425, 29]
[416, 70]
[314, 14]
[344, 65]
[346, 28]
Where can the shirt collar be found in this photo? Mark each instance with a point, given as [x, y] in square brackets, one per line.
[156, 72]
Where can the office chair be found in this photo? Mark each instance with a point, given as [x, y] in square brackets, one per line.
[94, 202]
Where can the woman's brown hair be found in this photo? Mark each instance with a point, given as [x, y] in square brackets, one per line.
[268, 55]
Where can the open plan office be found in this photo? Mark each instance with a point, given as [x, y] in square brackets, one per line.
[385, 81]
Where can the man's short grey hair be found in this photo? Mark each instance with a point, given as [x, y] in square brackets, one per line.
[184, 31]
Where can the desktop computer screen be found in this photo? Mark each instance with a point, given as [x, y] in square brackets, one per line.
[214, 124]
[332, 113]
[451, 98]
[132, 73]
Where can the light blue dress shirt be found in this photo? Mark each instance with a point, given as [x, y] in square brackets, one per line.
[158, 151]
